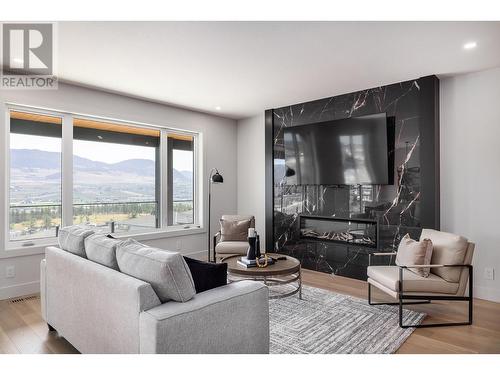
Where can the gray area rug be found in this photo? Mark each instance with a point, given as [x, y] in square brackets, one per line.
[326, 322]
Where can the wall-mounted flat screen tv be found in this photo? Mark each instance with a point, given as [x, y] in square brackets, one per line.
[352, 151]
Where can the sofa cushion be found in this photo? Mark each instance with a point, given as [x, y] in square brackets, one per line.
[207, 275]
[72, 239]
[102, 249]
[232, 247]
[166, 271]
[235, 228]
[388, 276]
[448, 248]
[411, 252]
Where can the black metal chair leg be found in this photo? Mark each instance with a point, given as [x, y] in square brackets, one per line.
[391, 303]
[51, 329]
[469, 299]
[400, 312]
[449, 324]
[425, 299]
[369, 293]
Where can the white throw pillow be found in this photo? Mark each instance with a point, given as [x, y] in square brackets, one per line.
[102, 249]
[166, 271]
[72, 239]
[411, 252]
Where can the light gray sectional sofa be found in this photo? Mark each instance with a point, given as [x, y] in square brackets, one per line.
[99, 309]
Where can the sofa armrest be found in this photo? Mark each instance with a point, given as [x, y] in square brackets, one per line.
[230, 319]
[92, 306]
[43, 288]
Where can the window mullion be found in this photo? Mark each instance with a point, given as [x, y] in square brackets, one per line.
[197, 167]
[164, 179]
[67, 170]
[5, 169]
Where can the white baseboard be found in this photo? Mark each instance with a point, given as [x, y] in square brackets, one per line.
[19, 290]
[487, 293]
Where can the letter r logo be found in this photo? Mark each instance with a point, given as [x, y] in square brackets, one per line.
[27, 48]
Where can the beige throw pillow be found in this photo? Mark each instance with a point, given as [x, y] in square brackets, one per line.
[411, 252]
[231, 230]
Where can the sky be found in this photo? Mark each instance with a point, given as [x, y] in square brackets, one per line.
[99, 151]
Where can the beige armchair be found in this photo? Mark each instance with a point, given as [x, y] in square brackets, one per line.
[232, 238]
[450, 269]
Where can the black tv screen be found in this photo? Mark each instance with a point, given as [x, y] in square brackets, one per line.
[352, 151]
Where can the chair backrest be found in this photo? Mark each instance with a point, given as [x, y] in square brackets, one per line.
[237, 231]
[448, 248]
[240, 218]
[464, 274]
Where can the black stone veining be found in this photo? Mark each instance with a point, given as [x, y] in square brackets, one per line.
[407, 206]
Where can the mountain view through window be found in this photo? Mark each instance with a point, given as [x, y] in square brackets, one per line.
[35, 177]
[116, 182]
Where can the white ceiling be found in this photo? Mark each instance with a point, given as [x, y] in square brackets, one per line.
[247, 67]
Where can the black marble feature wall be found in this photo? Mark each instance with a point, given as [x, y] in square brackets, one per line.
[407, 206]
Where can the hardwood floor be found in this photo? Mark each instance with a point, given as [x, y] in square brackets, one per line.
[22, 329]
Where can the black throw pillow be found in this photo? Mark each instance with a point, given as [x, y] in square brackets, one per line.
[207, 275]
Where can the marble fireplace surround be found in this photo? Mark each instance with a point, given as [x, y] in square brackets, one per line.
[407, 206]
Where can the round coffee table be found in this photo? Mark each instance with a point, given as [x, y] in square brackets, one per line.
[282, 272]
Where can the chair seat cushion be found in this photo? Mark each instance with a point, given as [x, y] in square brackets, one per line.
[388, 276]
[232, 247]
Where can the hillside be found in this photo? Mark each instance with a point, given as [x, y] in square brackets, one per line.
[35, 177]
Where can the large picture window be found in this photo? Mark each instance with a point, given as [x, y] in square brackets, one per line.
[115, 176]
[35, 176]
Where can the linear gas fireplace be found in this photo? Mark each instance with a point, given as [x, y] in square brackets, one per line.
[358, 232]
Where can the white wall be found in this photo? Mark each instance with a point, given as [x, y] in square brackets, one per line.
[219, 149]
[251, 171]
[470, 169]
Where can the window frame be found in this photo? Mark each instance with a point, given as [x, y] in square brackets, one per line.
[32, 245]
[195, 183]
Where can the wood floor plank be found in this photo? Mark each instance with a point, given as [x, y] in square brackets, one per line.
[426, 345]
[21, 335]
[30, 314]
[6, 345]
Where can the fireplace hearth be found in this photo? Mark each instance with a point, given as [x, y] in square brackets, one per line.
[357, 232]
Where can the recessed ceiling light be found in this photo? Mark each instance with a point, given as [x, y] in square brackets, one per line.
[470, 45]
[218, 108]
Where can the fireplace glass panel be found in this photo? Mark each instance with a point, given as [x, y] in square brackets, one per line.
[350, 231]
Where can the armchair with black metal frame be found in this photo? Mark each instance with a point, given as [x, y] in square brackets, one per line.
[383, 278]
[224, 247]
